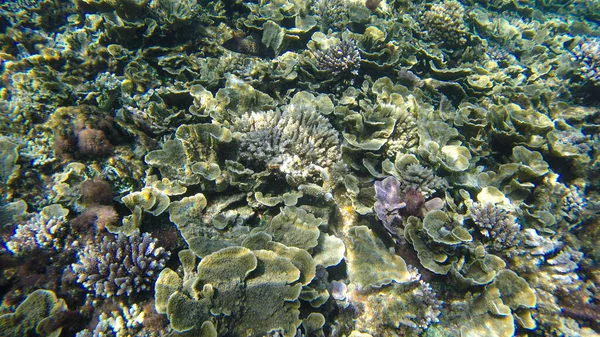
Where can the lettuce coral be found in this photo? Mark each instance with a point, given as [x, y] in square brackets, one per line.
[236, 290]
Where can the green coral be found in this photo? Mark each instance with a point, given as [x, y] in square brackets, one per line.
[34, 315]
[370, 264]
[229, 287]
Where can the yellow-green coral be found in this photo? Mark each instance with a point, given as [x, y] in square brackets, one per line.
[248, 293]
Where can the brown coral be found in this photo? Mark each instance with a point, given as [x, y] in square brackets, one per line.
[93, 143]
[96, 191]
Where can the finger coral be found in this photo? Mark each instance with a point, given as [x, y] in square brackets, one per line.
[120, 266]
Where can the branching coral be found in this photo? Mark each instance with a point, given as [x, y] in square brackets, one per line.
[587, 55]
[44, 230]
[299, 142]
[341, 60]
[497, 224]
[120, 266]
[422, 179]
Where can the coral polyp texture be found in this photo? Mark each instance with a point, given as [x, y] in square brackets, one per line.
[120, 265]
[299, 141]
[587, 56]
[340, 60]
[318, 167]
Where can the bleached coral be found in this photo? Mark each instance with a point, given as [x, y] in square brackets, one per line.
[299, 142]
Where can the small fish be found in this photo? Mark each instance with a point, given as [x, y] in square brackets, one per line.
[240, 43]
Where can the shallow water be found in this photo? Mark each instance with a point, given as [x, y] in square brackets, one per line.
[299, 168]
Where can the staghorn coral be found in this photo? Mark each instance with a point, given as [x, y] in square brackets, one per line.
[444, 23]
[587, 56]
[497, 224]
[120, 266]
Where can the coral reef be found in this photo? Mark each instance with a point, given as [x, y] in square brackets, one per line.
[120, 266]
[322, 168]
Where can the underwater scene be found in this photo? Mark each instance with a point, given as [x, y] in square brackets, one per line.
[299, 168]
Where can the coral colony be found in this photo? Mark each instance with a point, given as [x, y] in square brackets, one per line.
[299, 168]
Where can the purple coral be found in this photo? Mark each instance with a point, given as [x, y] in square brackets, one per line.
[388, 204]
[497, 224]
[123, 266]
[39, 232]
[395, 200]
[587, 55]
